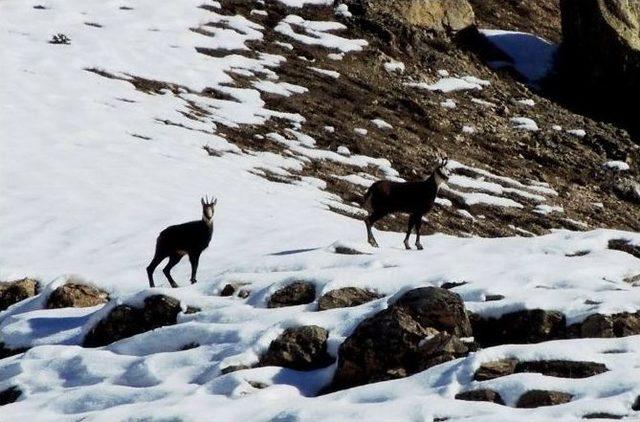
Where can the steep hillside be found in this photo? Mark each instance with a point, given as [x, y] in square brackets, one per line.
[120, 116]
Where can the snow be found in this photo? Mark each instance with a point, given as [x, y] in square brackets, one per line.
[381, 124]
[394, 66]
[361, 131]
[342, 150]
[527, 101]
[531, 56]
[343, 10]
[451, 84]
[547, 209]
[449, 103]
[469, 129]
[580, 133]
[316, 34]
[326, 72]
[81, 195]
[525, 123]
[617, 165]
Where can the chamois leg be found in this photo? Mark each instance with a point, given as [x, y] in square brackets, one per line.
[412, 223]
[157, 259]
[370, 221]
[194, 258]
[173, 260]
[418, 226]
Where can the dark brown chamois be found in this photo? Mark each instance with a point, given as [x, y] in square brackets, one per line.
[190, 239]
[415, 198]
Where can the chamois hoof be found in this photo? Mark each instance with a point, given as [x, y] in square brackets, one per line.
[407, 247]
[419, 246]
[194, 281]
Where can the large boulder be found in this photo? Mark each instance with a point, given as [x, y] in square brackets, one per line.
[76, 295]
[12, 292]
[345, 298]
[298, 293]
[600, 56]
[9, 395]
[126, 321]
[419, 330]
[300, 348]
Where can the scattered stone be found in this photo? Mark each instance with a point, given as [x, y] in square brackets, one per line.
[452, 285]
[601, 415]
[419, 330]
[75, 294]
[346, 250]
[609, 326]
[228, 290]
[192, 310]
[298, 293]
[10, 395]
[624, 245]
[538, 398]
[126, 321]
[562, 368]
[345, 298]
[233, 368]
[495, 369]
[527, 326]
[493, 298]
[244, 293]
[628, 190]
[12, 292]
[300, 348]
[257, 384]
[189, 346]
[480, 395]
[636, 404]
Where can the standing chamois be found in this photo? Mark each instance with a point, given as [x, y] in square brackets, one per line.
[184, 239]
[415, 198]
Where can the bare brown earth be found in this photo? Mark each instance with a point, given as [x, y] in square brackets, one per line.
[423, 128]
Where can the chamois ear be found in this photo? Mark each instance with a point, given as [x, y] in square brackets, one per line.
[203, 202]
[215, 202]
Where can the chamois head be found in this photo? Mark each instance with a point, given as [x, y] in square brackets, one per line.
[442, 173]
[208, 209]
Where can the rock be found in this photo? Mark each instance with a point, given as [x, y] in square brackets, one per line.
[437, 308]
[76, 295]
[636, 404]
[192, 310]
[10, 395]
[418, 331]
[601, 415]
[600, 56]
[609, 326]
[345, 298]
[298, 293]
[232, 288]
[538, 398]
[12, 292]
[126, 321]
[527, 326]
[628, 190]
[493, 298]
[597, 326]
[624, 245]
[452, 285]
[495, 369]
[562, 368]
[5, 351]
[233, 368]
[447, 16]
[300, 348]
[480, 395]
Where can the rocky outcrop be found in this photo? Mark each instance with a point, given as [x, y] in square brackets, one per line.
[562, 368]
[421, 329]
[600, 56]
[345, 298]
[12, 292]
[10, 395]
[526, 326]
[76, 295]
[609, 326]
[125, 321]
[298, 293]
[299, 348]
[539, 398]
[480, 395]
[624, 245]
[495, 369]
[438, 16]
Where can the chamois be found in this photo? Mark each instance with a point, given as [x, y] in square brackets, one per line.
[184, 239]
[415, 198]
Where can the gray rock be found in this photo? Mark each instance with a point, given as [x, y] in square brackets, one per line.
[527, 326]
[345, 297]
[12, 292]
[495, 369]
[126, 321]
[10, 395]
[480, 395]
[538, 398]
[76, 294]
[298, 293]
[300, 348]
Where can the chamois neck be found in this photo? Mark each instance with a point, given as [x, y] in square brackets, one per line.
[208, 222]
[437, 179]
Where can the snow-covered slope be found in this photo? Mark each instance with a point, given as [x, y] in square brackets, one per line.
[92, 169]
